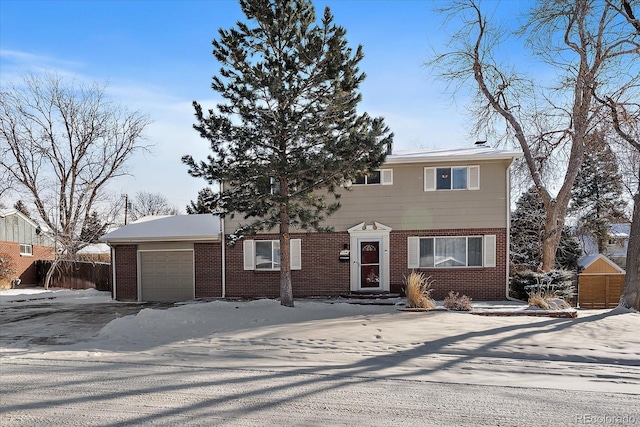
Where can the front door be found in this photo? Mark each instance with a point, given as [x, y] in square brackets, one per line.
[369, 257]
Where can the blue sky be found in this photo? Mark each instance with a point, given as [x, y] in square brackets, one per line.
[156, 58]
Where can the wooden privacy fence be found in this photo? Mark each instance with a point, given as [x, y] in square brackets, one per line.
[76, 275]
[598, 291]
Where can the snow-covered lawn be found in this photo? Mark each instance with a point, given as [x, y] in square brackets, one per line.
[599, 351]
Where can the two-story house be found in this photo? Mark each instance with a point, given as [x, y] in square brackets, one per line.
[443, 212]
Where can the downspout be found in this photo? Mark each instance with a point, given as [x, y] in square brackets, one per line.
[223, 259]
[223, 253]
[508, 182]
[113, 271]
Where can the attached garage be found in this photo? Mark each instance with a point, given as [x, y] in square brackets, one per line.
[600, 283]
[167, 259]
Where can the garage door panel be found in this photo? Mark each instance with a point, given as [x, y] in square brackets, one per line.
[166, 275]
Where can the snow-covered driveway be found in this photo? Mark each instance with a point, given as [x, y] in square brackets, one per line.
[257, 363]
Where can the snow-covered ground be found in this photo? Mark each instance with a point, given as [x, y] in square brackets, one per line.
[262, 352]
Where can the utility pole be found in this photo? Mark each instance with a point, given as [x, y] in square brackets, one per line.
[126, 207]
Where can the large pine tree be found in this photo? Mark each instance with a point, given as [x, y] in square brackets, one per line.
[527, 233]
[204, 204]
[288, 133]
[597, 192]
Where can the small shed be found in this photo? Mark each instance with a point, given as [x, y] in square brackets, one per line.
[600, 283]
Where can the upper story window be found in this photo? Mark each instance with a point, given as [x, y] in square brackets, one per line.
[452, 178]
[379, 177]
[26, 249]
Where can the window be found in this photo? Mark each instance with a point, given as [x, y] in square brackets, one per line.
[451, 252]
[264, 255]
[452, 178]
[26, 249]
[268, 255]
[380, 177]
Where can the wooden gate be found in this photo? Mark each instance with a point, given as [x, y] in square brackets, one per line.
[599, 291]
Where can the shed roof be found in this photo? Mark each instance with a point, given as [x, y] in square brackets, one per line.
[589, 260]
[167, 228]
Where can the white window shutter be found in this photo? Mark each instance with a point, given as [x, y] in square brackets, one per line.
[474, 177]
[386, 176]
[249, 251]
[413, 252]
[490, 250]
[429, 179]
[295, 249]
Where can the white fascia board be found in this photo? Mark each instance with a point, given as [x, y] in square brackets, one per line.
[451, 156]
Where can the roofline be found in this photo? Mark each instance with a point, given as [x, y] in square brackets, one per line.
[427, 158]
[7, 212]
[605, 259]
[161, 239]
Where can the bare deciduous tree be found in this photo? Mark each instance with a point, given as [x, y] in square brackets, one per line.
[63, 142]
[588, 45]
[145, 203]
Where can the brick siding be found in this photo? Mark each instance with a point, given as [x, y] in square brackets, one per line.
[25, 264]
[477, 283]
[126, 265]
[208, 269]
[323, 274]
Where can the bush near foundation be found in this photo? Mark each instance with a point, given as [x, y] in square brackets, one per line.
[555, 283]
[7, 271]
[454, 301]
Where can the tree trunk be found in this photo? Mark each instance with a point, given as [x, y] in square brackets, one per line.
[630, 297]
[52, 269]
[286, 291]
[553, 225]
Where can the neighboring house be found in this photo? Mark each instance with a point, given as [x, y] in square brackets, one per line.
[25, 242]
[443, 212]
[617, 245]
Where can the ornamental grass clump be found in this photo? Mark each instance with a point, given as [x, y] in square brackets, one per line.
[418, 289]
[454, 301]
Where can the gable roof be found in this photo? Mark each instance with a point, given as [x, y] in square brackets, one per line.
[451, 155]
[167, 228]
[588, 260]
[9, 212]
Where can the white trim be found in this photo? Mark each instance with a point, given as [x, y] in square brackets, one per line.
[606, 260]
[413, 252]
[113, 271]
[489, 251]
[473, 177]
[249, 255]
[295, 254]
[369, 231]
[386, 176]
[429, 179]
[25, 253]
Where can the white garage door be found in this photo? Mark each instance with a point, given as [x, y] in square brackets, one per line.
[166, 275]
